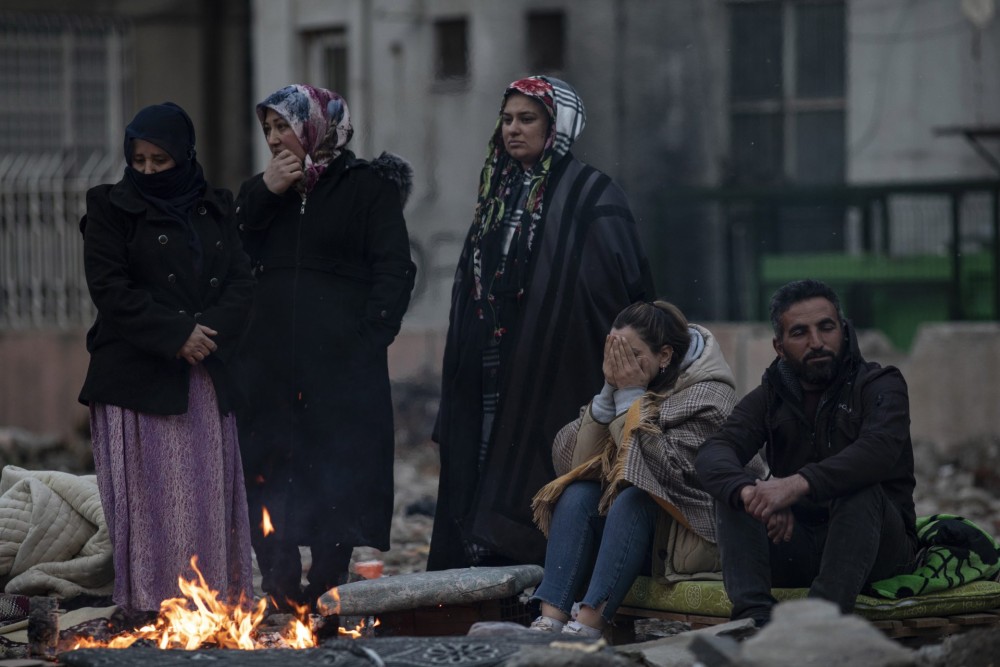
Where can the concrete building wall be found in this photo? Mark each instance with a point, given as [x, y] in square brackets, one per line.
[915, 67]
[951, 373]
[648, 73]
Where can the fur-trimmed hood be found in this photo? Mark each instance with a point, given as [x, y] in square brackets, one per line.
[395, 169]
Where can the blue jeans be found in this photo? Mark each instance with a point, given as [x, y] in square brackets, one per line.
[863, 541]
[603, 555]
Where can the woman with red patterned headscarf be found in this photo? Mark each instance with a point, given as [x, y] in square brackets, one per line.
[552, 256]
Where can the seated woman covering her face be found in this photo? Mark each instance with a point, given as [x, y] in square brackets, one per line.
[173, 292]
[629, 458]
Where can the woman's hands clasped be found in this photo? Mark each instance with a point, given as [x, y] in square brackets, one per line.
[282, 172]
[198, 345]
[621, 365]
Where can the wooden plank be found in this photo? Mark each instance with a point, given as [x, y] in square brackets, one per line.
[654, 613]
[977, 618]
[925, 622]
[706, 620]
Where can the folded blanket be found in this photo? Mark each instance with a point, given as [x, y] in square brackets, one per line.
[953, 551]
[53, 538]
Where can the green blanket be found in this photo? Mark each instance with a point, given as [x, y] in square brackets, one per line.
[953, 551]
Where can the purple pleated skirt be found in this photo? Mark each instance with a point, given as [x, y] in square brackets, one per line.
[172, 487]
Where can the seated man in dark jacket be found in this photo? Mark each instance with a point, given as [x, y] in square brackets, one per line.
[836, 511]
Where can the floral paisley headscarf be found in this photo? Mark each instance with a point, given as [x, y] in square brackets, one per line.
[501, 172]
[321, 121]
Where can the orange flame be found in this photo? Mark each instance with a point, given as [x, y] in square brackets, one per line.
[200, 618]
[265, 525]
[359, 629]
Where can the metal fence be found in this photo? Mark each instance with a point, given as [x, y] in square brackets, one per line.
[66, 82]
[41, 249]
[898, 254]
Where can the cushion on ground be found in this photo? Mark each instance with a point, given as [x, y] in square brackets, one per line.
[428, 589]
[708, 598]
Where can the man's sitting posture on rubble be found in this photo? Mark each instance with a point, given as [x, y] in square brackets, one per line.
[836, 512]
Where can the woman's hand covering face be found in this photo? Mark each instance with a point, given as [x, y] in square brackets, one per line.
[622, 367]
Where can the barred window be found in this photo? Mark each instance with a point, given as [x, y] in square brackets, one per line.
[546, 42]
[327, 59]
[787, 91]
[451, 49]
[66, 85]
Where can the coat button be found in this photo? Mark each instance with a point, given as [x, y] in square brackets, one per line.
[182, 312]
[197, 315]
[242, 227]
[218, 244]
[384, 314]
[162, 239]
[202, 210]
[171, 278]
[214, 282]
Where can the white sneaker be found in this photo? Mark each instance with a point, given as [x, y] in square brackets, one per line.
[580, 630]
[546, 624]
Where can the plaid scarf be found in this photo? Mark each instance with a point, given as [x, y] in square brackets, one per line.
[321, 122]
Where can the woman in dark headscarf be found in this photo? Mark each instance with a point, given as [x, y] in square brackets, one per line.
[552, 256]
[326, 234]
[173, 291]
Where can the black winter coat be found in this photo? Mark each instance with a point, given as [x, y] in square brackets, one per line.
[334, 278]
[860, 437]
[141, 275]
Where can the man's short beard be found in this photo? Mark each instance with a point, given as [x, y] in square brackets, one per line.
[821, 374]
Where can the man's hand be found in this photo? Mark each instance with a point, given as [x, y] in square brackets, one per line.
[780, 525]
[282, 172]
[767, 497]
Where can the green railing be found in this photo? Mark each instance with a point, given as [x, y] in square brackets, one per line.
[898, 254]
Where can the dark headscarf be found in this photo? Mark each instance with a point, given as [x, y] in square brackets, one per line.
[175, 190]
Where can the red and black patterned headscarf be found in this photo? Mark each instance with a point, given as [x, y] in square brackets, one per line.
[501, 172]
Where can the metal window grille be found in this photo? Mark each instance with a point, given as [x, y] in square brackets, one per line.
[65, 81]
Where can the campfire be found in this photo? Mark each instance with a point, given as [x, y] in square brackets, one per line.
[201, 620]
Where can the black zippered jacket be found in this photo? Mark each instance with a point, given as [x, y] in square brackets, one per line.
[860, 437]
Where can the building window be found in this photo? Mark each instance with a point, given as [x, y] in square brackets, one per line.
[67, 90]
[451, 49]
[327, 59]
[787, 100]
[546, 42]
[66, 84]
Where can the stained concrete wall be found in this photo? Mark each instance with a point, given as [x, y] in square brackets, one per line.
[951, 372]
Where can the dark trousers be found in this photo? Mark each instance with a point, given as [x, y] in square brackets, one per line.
[863, 541]
[281, 569]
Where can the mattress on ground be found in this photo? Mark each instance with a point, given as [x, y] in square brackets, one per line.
[708, 598]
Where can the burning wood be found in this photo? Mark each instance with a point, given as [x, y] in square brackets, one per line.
[201, 619]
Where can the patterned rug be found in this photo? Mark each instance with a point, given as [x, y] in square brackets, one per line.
[387, 651]
[13, 608]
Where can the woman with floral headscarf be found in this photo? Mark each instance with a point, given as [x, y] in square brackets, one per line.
[552, 256]
[328, 243]
[173, 292]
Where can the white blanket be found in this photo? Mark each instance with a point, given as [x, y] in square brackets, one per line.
[53, 538]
